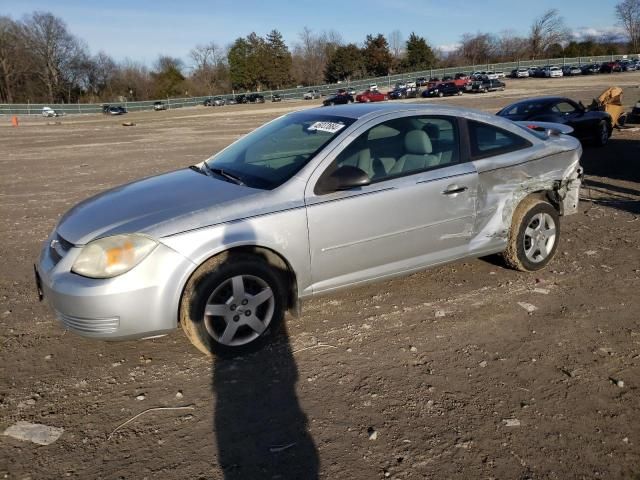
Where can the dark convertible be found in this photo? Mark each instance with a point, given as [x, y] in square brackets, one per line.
[588, 125]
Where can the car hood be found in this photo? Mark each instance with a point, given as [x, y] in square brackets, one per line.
[159, 206]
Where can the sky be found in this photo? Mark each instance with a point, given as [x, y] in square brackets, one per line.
[140, 30]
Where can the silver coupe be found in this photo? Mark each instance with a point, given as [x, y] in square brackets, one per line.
[311, 202]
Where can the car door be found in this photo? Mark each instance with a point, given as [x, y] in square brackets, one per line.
[418, 210]
[570, 113]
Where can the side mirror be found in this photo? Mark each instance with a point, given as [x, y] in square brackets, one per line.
[345, 178]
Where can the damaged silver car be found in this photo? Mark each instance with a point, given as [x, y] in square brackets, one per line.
[311, 202]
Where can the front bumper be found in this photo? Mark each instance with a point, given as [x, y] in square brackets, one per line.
[142, 302]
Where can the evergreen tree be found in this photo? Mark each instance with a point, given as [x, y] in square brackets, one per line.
[277, 61]
[376, 55]
[420, 56]
[345, 63]
[246, 59]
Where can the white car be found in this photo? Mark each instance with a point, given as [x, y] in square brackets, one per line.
[373, 87]
[500, 74]
[411, 84]
[491, 75]
[553, 72]
[49, 112]
[311, 95]
[522, 72]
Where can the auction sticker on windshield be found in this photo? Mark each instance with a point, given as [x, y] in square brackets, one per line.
[329, 127]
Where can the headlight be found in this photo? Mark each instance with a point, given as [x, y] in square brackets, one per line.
[111, 256]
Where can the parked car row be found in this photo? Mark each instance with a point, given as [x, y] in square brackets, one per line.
[553, 71]
[242, 98]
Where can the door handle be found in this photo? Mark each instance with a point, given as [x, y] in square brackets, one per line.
[454, 189]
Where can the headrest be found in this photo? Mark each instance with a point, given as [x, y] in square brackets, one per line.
[417, 142]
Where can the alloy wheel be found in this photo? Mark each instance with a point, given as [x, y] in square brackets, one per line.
[239, 310]
[539, 237]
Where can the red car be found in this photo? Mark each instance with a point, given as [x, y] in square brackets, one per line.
[371, 96]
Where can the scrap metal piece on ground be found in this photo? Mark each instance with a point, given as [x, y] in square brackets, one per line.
[610, 101]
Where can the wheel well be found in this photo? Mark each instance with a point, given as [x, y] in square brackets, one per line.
[270, 257]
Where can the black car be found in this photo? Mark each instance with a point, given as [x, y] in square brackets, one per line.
[589, 125]
[422, 81]
[255, 98]
[485, 85]
[276, 97]
[113, 110]
[590, 69]
[442, 89]
[340, 98]
[611, 67]
[406, 92]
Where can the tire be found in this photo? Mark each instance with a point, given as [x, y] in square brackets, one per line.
[603, 134]
[331, 104]
[534, 235]
[440, 94]
[459, 92]
[232, 304]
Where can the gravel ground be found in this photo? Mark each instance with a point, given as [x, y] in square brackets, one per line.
[469, 370]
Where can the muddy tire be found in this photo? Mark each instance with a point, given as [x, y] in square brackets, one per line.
[534, 235]
[232, 304]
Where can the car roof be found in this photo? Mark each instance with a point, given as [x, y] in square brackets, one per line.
[372, 110]
[547, 99]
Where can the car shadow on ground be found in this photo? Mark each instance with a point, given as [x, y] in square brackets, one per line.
[260, 428]
[619, 160]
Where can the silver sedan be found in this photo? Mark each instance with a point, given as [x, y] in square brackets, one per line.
[309, 203]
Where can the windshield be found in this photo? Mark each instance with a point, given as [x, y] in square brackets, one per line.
[272, 154]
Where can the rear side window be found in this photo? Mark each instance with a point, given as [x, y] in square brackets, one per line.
[487, 140]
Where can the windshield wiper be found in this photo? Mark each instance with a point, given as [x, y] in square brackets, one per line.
[229, 176]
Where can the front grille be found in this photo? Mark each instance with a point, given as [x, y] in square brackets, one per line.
[89, 325]
[58, 248]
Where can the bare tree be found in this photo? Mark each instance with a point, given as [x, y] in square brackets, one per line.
[510, 46]
[11, 59]
[396, 44]
[546, 30]
[628, 12]
[478, 48]
[311, 54]
[208, 66]
[54, 49]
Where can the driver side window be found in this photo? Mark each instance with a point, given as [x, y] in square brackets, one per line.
[402, 146]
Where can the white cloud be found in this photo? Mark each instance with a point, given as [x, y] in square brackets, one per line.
[448, 47]
[582, 33]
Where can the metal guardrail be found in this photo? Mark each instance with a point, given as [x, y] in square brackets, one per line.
[297, 93]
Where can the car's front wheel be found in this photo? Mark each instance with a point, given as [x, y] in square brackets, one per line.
[233, 303]
[534, 235]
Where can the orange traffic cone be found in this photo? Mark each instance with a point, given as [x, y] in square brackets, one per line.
[14, 121]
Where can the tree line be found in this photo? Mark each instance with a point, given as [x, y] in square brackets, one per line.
[41, 61]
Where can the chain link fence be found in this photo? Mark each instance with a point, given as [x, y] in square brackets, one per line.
[297, 93]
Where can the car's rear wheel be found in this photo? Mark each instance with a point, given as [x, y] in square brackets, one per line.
[232, 304]
[534, 235]
[603, 134]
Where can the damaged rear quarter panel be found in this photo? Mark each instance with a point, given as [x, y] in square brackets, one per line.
[551, 166]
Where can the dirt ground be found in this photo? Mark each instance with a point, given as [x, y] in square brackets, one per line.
[443, 374]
